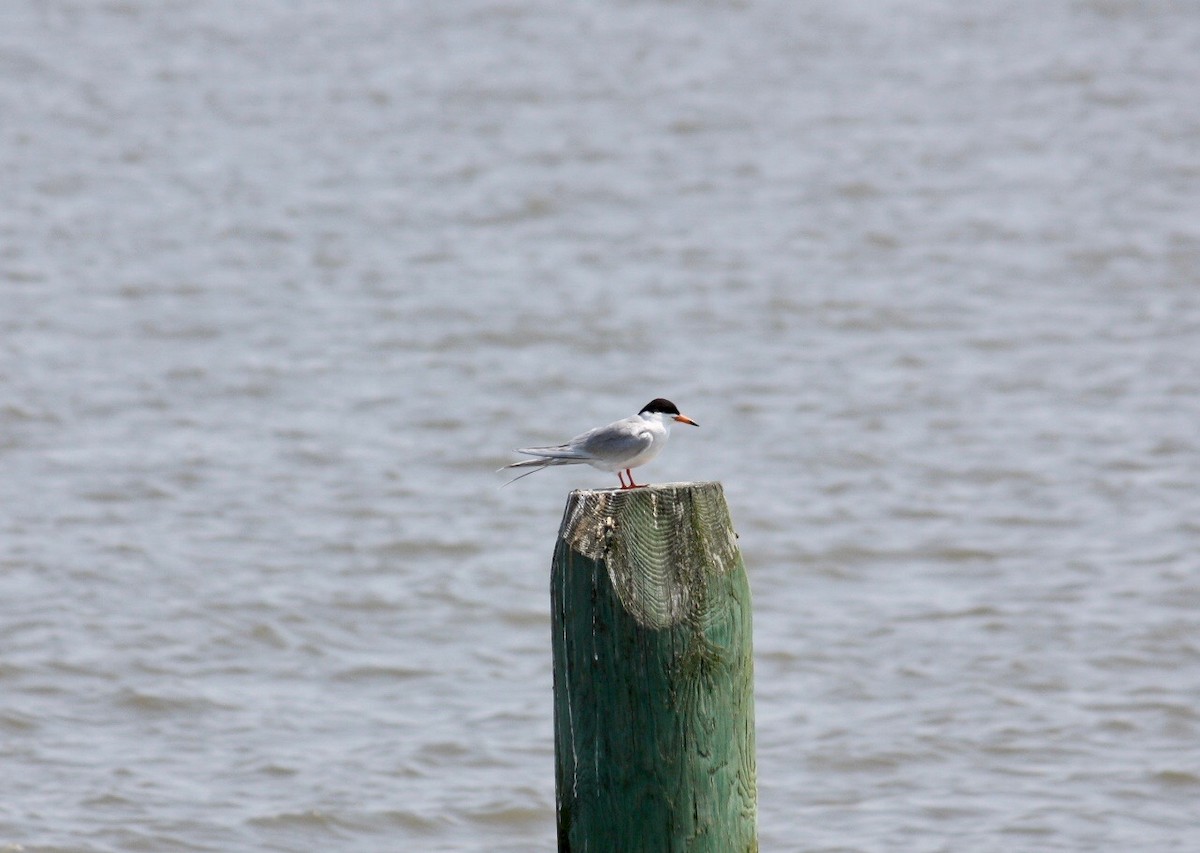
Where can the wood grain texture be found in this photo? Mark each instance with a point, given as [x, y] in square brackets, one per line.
[653, 674]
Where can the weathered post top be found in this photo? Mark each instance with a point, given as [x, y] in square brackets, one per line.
[659, 543]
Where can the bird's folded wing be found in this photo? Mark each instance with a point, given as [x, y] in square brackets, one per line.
[616, 444]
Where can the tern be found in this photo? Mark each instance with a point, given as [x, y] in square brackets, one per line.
[620, 446]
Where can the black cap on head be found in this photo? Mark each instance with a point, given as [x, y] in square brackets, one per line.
[660, 405]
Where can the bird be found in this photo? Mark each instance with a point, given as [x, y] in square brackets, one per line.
[619, 446]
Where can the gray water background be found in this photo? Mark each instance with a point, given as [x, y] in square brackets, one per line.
[282, 283]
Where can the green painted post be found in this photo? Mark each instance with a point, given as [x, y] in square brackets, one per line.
[653, 675]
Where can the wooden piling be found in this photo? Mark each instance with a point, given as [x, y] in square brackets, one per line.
[653, 675]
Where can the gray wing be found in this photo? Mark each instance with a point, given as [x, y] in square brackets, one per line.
[615, 441]
[619, 440]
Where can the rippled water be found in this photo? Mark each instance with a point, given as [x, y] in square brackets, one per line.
[281, 284]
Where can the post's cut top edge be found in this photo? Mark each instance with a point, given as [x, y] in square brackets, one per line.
[660, 544]
[591, 516]
[696, 485]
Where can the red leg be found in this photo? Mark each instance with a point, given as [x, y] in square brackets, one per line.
[629, 474]
[621, 477]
